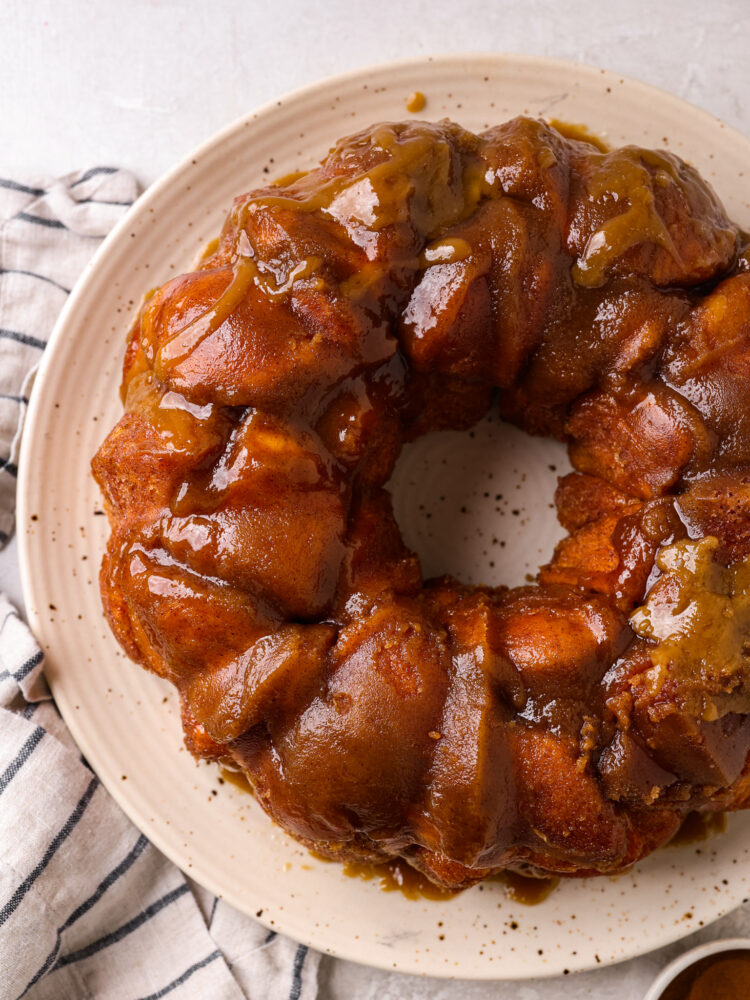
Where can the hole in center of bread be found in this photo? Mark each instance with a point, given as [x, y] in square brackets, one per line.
[478, 504]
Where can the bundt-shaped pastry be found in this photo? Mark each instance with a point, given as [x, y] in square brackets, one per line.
[419, 273]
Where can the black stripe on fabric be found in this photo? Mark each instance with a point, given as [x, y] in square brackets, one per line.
[299, 961]
[14, 399]
[30, 709]
[25, 669]
[86, 905]
[6, 182]
[139, 847]
[184, 977]
[269, 937]
[12, 905]
[23, 338]
[121, 932]
[33, 274]
[102, 201]
[4, 536]
[23, 755]
[10, 467]
[44, 968]
[37, 220]
[94, 172]
[213, 911]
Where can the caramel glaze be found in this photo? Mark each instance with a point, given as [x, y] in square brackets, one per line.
[398, 876]
[581, 133]
[415, 102]
[525, 889]
[699, 826]
[236, 778]
[418, 276]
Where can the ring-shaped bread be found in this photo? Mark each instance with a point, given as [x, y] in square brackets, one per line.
[417, 277]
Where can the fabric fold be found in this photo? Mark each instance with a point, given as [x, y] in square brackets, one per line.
[88, 907]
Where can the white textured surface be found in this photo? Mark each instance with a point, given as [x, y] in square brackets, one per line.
[139, 86]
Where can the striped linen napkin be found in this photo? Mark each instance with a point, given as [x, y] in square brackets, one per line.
[88, 908]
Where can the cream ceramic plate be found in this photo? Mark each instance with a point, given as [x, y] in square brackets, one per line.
[126, 722]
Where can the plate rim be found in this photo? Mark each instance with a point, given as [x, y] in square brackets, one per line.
[33, 429]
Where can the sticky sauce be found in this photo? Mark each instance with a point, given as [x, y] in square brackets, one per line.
[697, 615]
[415, 102]
[209, 250]
[236, 778]
[286, 179]
[188, 338]
[179, 422]
[398, 876]
[724, 976]
[579, 133]
[450, 181]
[699, 826]
[526, 890]
[625, 177]
[446, 251]
[245, 272]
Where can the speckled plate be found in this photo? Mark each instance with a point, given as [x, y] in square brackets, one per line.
[477, 504]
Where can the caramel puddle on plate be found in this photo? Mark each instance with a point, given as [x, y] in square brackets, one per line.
[236, 778]
[526, 890]
[580, 133]
[415, 102]
[699, 826]
[398, 876]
